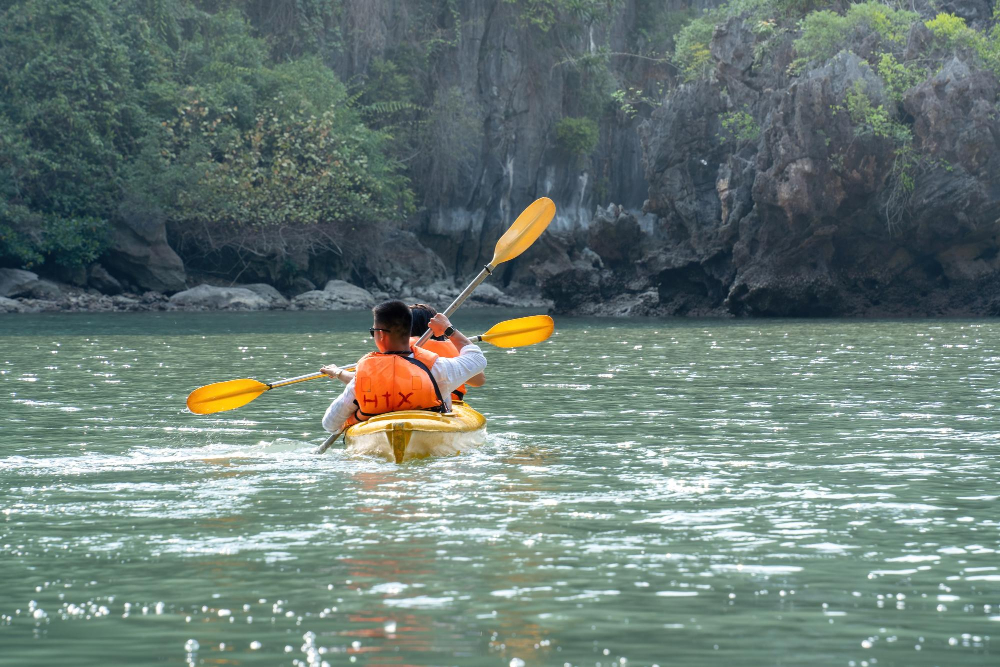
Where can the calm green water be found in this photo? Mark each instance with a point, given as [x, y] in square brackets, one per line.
[652, 492]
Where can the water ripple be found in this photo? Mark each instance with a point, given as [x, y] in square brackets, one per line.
[650, 493]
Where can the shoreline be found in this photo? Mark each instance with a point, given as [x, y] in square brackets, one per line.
[39, 295]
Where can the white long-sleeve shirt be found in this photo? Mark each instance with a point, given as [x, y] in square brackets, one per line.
[449, 373]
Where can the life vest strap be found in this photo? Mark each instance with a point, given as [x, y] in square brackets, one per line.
[437, 390]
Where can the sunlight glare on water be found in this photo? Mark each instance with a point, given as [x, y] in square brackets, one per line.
[651, 492]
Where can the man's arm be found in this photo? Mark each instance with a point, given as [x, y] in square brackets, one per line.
[477, 380]
[338, 373]
[339, 411]
[439, 323]
[453, 373]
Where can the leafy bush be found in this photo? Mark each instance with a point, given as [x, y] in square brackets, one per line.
[295, 28]
[176, 110]
[29, 239]
[951, 32]
[739, 125]
[577, 136]
[225, 188]
[659, 26]
[70, 114]
[691, 53]
[769, 19]
[824, 33]
[877, 121]
[871, 119]
[899, 77]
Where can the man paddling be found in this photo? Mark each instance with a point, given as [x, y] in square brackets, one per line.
[398, 376]
[422, 314]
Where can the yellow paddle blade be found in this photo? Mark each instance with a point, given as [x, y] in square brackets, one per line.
[520, 332]
[223, 396]
[528, 227]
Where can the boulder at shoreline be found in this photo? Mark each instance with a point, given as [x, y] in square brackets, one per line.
[336, 295]
[14, 281]
[208, 297]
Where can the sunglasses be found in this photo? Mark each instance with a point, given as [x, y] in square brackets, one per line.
[372, 330]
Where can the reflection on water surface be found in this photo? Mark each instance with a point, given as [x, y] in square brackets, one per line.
[652, 492]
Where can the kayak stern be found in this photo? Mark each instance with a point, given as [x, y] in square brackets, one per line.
[416, 434]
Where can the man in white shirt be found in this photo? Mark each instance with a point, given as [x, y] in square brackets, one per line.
[391, 331]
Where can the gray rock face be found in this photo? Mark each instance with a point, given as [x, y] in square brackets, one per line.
[207, 297]
[27, 285]
[270, 294]
[957, 92]
[140, 255]
[301, 285]
[99, 278]
[799, 172]
[12, 306]
[976, 13]
[681, 154]
[506, 140]
[398, 258]
[814, 216]
[13, 281]
[489, 295]
[43, 290]
[336, 295]
[349, 293]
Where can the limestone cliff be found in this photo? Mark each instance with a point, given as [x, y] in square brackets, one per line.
[825, 211]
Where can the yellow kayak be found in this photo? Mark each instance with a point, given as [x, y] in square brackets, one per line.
[416, 434]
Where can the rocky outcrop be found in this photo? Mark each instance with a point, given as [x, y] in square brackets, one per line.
[396, 257]
[207, 297]
[508, 82]
[99, 278]
[820, 214]
[140, 256]
[12, 306]
[27, 285]
[273, 297]
[336, 295]
[13, 282]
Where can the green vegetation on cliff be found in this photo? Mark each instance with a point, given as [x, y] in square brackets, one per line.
[899, 46]
[228, 121]
[176, 108]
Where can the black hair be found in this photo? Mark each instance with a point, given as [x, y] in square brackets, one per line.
[422, 314]
[394, 316]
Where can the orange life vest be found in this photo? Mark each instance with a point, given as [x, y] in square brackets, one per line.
[446, 349]
[395, 381]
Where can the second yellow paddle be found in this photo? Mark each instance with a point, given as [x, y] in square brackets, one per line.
[518, 333]
[519, 236]
[232, 394]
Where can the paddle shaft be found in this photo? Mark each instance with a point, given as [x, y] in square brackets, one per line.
[483, 275]
[300, 378]
[329, 442]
